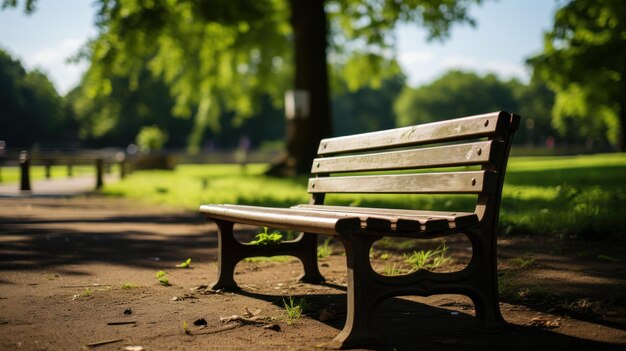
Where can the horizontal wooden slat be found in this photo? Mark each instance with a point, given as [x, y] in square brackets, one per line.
[284, 218]
[434, 183]
[405, 219]
[453, 129]
[443, 156]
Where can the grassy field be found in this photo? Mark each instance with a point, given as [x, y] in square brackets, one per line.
[12, 174]
[558, 196]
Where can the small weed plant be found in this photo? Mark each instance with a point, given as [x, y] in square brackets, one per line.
[428, 259]
[162, 277]
[391, 270]
[186, 329]
[128, 286]
[295, 308]
[325, 249]
[267, 239]
[186, 264]
[523, 262]
[86, 293]
[259, 259]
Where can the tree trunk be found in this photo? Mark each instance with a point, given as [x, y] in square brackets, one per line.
[309, 24]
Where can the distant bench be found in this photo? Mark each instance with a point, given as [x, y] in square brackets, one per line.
[483, 140]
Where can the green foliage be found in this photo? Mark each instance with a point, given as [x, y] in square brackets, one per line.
[267, 239]
[186, 264]
[162, 278]
[454, 94]
[587, 34]
[32, 110]
[295, 308]
[151, 138]
[366, 109]
[325, 249]
[428, 259]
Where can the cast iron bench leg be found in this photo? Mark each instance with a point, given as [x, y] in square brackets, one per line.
[485, 280]
[307, 253]
[229, 254]
[362, 296]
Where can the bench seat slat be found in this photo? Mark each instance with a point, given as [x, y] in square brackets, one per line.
[284, 218]
[409, 220]
[449, 130]
[443, 156]
[474, 182]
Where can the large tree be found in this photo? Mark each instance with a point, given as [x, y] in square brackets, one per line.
[584, 62]
[223, 54]
[31, 110]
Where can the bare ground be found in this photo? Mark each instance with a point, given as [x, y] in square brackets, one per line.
[63, 263]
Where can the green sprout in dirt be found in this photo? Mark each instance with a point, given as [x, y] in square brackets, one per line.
[162, 277]
[86, 294]
[295, 308]
[324, 250]
[128, 286]
[267, 239]
[259, 259]
[391, 270]
[185, 264]
[523, 262]
[428, 259]
[186, 329]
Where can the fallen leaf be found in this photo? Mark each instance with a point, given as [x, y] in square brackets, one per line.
[184, 297]
[540, 322]
[250, 314]
[199, 288]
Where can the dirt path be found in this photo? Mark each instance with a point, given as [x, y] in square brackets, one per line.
[68, 267]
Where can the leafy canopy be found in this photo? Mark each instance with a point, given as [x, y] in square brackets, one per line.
[584, 62]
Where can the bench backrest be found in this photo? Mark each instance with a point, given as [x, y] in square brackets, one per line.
[483, 140]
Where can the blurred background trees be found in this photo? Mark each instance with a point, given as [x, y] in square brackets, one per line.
[227, 64]
[584, 62]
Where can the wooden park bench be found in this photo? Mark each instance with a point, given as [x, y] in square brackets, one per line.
[482, 140]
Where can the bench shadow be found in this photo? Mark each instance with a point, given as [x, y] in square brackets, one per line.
[402, 324]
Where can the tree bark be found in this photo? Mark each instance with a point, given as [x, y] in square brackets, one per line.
[309, 23]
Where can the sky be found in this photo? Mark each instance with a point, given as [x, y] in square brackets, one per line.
[507, 32]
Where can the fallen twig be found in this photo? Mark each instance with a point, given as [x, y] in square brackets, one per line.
[244, 320]
[121, 323]
[104, 342]
[85, 286]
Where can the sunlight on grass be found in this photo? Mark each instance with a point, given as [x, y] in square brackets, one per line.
[573, 195]
[12, 174]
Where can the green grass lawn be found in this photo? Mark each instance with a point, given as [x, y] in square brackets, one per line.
[562, 196]
[12, 174]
